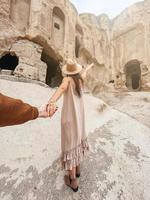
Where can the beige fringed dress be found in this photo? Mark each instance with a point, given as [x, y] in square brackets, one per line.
[73, 136]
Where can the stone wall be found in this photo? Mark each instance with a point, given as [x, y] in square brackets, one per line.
[30, 65]
[130, 41]
[45, 33]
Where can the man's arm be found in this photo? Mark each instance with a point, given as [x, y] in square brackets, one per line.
[14, 111]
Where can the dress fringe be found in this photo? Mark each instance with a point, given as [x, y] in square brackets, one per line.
[73, 157]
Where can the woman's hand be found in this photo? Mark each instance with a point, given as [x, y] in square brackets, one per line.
[46, 111]
[52, 108]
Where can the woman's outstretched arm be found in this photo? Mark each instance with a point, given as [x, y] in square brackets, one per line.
[61, 89]
[52, 102]
[84, 73]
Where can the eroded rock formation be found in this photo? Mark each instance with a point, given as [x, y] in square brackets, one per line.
[37, 36]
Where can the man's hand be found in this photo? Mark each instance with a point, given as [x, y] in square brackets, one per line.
[43, 111]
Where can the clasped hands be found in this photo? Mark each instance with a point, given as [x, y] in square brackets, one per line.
[47, 110]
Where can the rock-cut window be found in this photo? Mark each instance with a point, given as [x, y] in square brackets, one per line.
[56, 25]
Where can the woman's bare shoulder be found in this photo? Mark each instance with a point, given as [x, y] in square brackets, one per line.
[66, 79]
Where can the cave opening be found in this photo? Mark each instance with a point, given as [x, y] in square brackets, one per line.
[53, 74]
[133, 75]
[9, 61]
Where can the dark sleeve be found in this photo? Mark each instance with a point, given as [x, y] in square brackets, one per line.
[14, 111]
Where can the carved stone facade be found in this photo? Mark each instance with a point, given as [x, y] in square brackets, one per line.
[36, 36]
[131, 47]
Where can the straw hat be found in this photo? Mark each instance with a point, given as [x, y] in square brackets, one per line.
[71, 68]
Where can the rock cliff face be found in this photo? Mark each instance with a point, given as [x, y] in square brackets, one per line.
[37, 36]
[130, 41]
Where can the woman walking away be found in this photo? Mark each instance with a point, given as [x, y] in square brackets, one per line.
[73, 136]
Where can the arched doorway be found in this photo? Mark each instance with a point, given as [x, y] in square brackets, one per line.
[9, 61]
[53, 74]
[85, 57]
[58, 27]
[78, 40]
[133, 75]
[77, 46]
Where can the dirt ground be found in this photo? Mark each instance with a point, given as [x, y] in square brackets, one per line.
[135, 104]
[116, 168]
